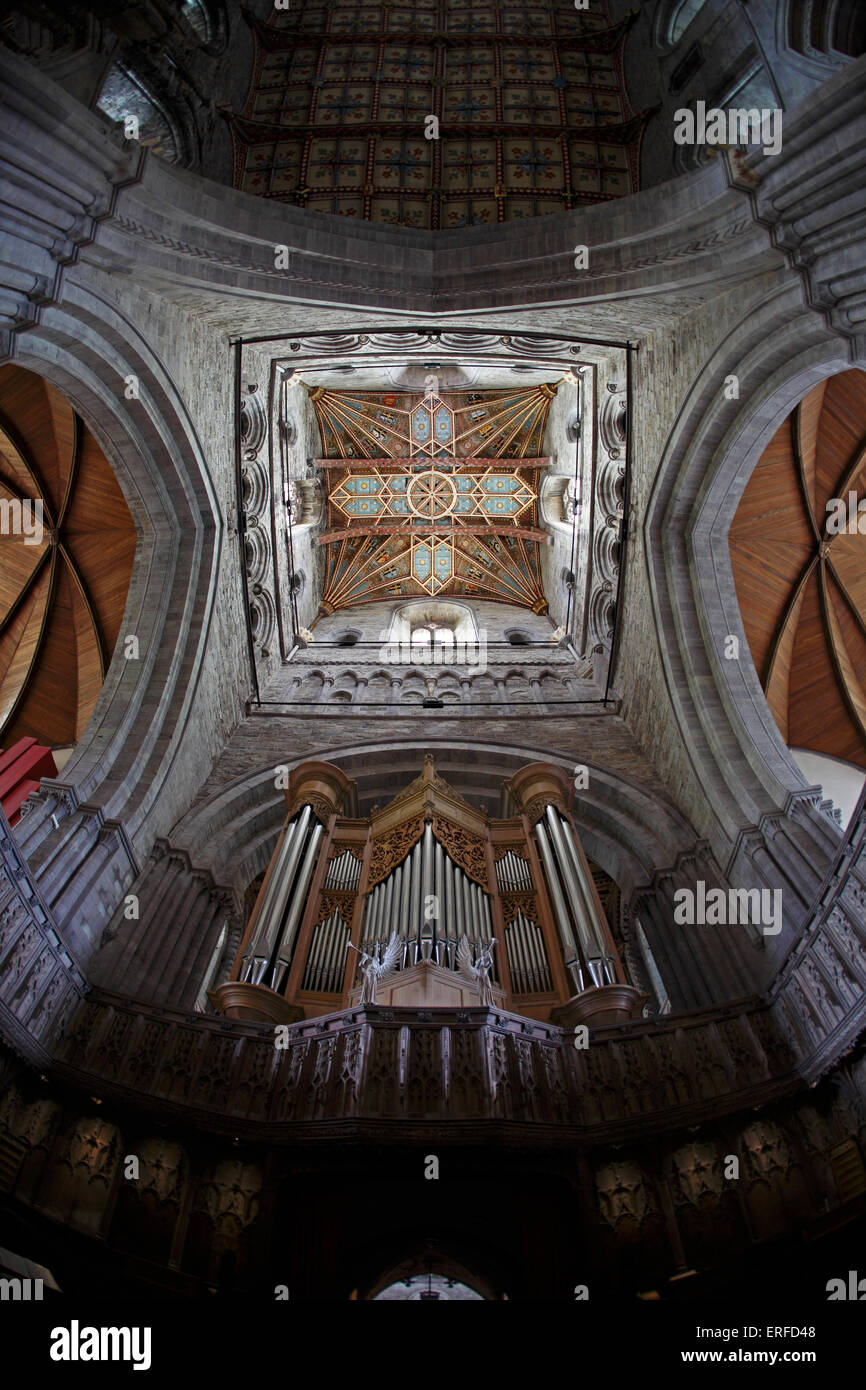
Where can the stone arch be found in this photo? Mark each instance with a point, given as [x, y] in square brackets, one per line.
[165, 117]
[89, 350]
[729, 736]
[311, 686]
[828, 32]
[672, 18]
[459, 617]
[630, 831]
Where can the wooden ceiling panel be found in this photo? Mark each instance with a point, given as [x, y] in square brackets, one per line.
[40, 415]
[51, 696]
[61, 601]
[21, 558]
[804, 424]
[777, 682]
[841, 435]
[766, 580]
[849, 647]
[91, 672]
[20, 643]
[802, 590]
[815, 700]
[16, 478]
[848, 558]
[772, 505]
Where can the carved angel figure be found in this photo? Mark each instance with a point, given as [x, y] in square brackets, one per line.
[373, 969]
[477, 972]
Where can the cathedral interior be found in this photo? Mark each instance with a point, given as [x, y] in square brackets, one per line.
[432, 650]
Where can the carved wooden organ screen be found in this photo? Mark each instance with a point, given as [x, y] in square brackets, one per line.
[429, 870]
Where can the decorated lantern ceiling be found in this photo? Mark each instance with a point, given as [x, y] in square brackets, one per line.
[428, 113]
[433, 495]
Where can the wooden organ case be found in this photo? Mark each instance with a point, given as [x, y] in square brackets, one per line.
[434, 881]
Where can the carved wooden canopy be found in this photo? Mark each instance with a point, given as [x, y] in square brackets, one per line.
[459, 828]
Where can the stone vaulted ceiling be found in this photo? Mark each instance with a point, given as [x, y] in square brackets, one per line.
[528, 96]
[433, 495]
[801, 582]
[62, 594]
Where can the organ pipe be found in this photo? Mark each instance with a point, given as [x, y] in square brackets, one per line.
[581, 899]
[563, 917]
[286, 938]
[557, 880]
[427, 888]
[440, 884]
[326, 961]
[397, 904]
[573, 896]
[588, 897]
[405, 889]
[273, 905]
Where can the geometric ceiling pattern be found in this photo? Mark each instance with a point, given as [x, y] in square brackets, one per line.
[530, 109]
[433, 496]
[800, 573]
[471, 424]
[436, 512]
[67, 544]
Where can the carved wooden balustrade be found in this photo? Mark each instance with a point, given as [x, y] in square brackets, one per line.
[434, 1066]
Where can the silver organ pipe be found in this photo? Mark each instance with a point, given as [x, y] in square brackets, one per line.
[440, 891]
[411, 925]
[450, 921]
[371, 912]
[260, 949]
[524, 940]
[344, 873]
[526, 952]
[517, 957]
[535, 937]
[473, 909]
[527, 959]
[563, 917]
[486, 922]
[286, 938]
[580, 900]
[427, 888]
[512, 873]
[589, 903]
[475, 894]
[341, 935]
[401, 902]
[404, 893]
[327, 953]
[387, 894]
[465, 919]
[326, 962]
[397, 904]
[418, 895]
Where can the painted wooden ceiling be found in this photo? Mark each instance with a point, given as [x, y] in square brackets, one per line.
[432, 495]
[62, 592]
[801, 580]
[528, 96]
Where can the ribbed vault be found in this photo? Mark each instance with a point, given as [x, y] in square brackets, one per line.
[798, 561]
[65, 571]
